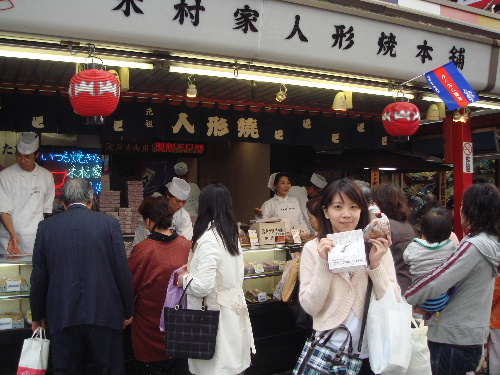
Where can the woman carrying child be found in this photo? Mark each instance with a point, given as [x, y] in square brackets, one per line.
[456, 339]
[426, 253]
[339, 298]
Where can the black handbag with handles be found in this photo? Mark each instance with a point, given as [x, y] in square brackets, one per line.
[190, 333]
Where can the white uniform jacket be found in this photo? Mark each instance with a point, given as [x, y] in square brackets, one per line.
[181, 224]
[287, 208]
[218, 276]
[25, 196]
[191, 205]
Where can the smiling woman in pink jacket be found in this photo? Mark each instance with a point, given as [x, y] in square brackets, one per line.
[339, 298]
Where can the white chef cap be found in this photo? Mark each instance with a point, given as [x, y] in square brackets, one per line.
[318, 180]
[28, 143]
[270, 184]
[179, 188]
[180, 169]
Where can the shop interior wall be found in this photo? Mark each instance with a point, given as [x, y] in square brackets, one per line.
[244, 168]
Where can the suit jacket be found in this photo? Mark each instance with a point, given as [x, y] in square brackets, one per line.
[80, 272]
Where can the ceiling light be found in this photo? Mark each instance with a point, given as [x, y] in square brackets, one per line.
[287, 80]
[387, 169]
[342, 101]
[478, 104]
[191, 91]
[71, 58]
[281, 95]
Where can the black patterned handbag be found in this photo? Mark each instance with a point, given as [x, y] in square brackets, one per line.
[190, 333]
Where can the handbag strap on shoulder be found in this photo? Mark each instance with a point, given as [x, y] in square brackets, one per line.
[365, 312]
[327, 335]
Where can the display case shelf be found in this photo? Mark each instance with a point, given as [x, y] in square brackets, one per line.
[264, 274]
[15, 295]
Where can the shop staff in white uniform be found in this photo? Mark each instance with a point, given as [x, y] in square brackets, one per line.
[177, 194]
[26, 194]
[181, 170]
[313, 188]
[282, 205]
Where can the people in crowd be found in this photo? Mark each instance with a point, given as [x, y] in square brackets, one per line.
[315, 185]
[494, 339]
[428, 252]
[456, 340]
[26, 194]
[181, 170]
[430, 198]
[152, 263]
[339, 298]
[215, 274]
[314, 212]
[282, 205]
[81, 285]
[429, 206]
[177, 194]
[393, 203]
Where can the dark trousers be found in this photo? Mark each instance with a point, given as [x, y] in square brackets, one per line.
[71, 346]
[448, 359]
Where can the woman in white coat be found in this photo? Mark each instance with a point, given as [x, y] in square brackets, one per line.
[215, 267]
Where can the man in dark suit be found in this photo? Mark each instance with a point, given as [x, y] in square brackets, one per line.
[81, 285]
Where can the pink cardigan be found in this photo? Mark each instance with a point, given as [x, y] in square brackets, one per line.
[329, 297]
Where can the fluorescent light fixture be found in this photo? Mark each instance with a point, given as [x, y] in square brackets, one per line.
[387, 169]
[286, 80]
[73, 59]
[478, 104]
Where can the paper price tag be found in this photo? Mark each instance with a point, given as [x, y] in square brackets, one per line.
[259, 269]
[282, 265]
[14, 286]
[296, 235]
[254, 240]
[262, 297]
[5, 323]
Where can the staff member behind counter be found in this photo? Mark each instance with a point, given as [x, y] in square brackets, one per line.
[177, 194]
[26, 193]
[282, 205]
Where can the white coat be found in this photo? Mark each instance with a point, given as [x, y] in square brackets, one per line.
[285, 208]
[181, 224]
[191, 205]
[25, 196]
[218, 276]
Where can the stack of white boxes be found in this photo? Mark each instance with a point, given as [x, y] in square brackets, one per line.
[109, 202]
[135, 192]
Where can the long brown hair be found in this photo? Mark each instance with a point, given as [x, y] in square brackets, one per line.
[392, 201]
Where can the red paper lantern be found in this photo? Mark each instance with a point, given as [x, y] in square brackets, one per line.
[94, 92]
[401, 118]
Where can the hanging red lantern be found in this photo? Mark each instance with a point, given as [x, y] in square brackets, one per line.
[94, 93]
[401, 118]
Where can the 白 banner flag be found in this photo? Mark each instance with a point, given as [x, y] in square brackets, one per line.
[451, 86]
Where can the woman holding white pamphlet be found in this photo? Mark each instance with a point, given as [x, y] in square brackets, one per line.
[337, 296]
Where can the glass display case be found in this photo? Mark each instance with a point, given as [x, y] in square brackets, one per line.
[263, 270]
[15, 272]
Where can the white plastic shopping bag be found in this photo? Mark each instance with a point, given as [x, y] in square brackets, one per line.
[420, 362]
[388, 331]
[35, 354]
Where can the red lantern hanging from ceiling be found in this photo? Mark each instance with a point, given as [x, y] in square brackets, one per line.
[94, 93]
[401, 118]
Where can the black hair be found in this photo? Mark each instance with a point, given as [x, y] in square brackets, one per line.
[436, 225]
[215, 209]
[156, 210]
[481, 209]
[348, 187]
[281, 174]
